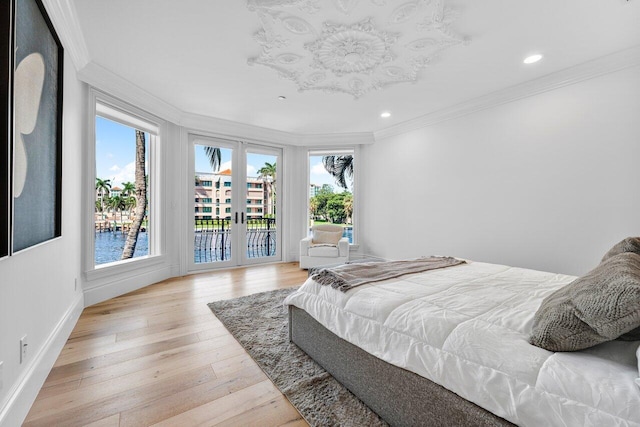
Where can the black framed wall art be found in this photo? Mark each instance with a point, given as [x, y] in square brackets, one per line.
[5, 88]
[35, 124]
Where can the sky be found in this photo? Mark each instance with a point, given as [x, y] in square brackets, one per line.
[116, 152]
[115, 157]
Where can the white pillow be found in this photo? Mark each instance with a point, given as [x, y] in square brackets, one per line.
[326, 237]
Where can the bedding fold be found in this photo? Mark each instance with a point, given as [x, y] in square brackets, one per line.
[349, 276]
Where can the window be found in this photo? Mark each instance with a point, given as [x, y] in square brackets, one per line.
[227, 200]
[206, 200]
[206, 183]
[217, 184]
[227, 210]
[259, 210]
[248, 201]
[248, 210]
[217, 211]
[331, 189]
[227, 184]
[206, 209]
[124, 184]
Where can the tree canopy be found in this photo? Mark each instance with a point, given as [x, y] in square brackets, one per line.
[329, 206]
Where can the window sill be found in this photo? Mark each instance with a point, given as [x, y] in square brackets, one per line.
[121, 267]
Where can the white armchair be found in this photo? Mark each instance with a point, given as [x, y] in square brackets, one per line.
[325, 246]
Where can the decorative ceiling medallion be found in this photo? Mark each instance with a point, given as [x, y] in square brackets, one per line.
[357, 48]
[335, 49]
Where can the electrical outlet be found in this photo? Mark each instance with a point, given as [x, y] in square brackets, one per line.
[23, 349]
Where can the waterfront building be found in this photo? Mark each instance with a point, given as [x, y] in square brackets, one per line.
[213, 196]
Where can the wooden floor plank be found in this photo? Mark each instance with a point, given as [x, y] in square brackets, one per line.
[277, 412]
[185, 400]
[224, 408]
[158, 355]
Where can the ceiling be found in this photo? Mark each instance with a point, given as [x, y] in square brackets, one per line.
[206, 57]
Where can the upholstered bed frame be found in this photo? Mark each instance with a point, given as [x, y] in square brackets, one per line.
[398, 396]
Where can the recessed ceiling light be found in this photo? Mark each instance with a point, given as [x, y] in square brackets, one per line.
[533, 58]
[385, 114]
[282, 98]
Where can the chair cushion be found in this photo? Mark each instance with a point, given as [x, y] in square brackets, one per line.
[324, 251]
[325, 236]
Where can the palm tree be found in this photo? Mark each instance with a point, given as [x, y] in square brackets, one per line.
[141, 197]
[340, 167]
[128, 192]
[118, 204]
[268, 175]
[103, 187]
[128, 188]
[348, 206]
[268, 171]
[313, 207]
[215, 157]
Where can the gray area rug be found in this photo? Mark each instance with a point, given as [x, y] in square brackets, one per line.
[260, 324]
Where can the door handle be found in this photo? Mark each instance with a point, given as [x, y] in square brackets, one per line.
[236, 217]
[242, 217]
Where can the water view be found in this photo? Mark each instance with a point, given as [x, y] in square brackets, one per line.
[109, 246]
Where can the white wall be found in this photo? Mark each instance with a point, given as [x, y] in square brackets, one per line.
[548, 182]
[37, 295]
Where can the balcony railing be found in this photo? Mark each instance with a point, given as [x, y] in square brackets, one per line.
[212, 239]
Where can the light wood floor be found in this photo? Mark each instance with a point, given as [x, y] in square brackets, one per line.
[158, 356]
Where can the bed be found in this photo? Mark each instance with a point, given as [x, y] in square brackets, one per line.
[451, 347]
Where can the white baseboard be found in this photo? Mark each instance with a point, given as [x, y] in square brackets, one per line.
[26, 389]
[123, 284]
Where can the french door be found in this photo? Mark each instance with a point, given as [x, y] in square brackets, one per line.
[235, 217]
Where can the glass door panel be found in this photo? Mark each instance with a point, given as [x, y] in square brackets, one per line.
[260, 211]
[214, 213]
[234, 207]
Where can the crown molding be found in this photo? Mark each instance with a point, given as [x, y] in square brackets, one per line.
[237, 130]
[108, 82]
[604, 65]
[65, 20]
[336, 139]
[234, 130]
[111, 83]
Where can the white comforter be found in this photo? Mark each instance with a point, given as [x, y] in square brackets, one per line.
[466, 328]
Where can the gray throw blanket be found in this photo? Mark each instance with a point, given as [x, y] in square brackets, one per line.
[348, 276]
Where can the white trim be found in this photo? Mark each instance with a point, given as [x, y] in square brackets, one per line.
[20, 398]
[108, 280]
[106, 81]
[123, 283]
[578, 73]
[228, 129]
[320, 151]
[240, 147]
[64, 17]
[119, 267]
[113, 113]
